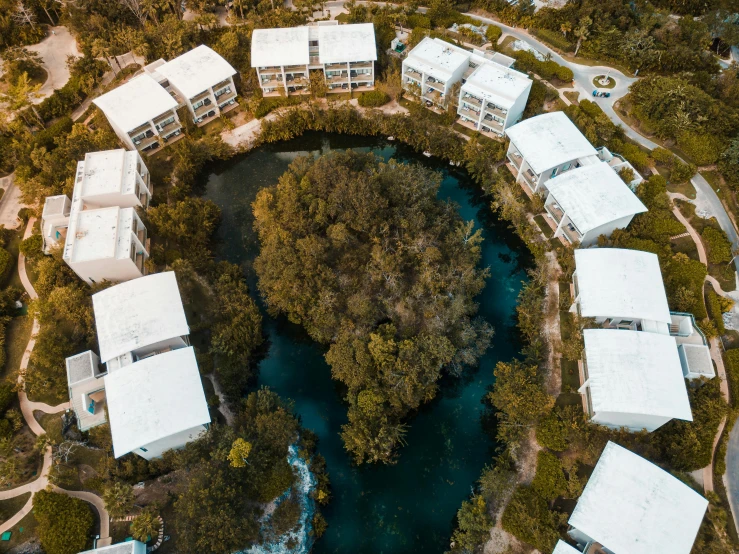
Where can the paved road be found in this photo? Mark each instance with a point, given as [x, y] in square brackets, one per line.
[54, 50]
[731, 477]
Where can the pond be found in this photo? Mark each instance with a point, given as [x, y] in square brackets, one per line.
[410, 506]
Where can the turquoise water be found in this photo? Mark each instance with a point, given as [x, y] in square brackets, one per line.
[410, 506]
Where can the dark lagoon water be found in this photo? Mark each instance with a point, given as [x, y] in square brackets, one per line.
[408, 507]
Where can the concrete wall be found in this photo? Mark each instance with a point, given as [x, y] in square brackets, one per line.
[633, 422]
[174, 344]
[516, 111]
[591, 237]
[106, 269]
[178, 440]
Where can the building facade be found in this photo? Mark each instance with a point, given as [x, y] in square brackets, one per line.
[344, 55]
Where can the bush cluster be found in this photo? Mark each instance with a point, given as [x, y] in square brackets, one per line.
[717, 245]
[549, 70]
[373, 99]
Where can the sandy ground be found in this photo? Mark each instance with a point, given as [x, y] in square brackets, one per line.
[54, 50]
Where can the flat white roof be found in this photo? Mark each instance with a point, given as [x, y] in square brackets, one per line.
[593, 195]
[138, 313]
[129, 547]
[698, 358]
[549, 140]
[285, 46]
[437, 58]
[497, 83]
[154, 398]
[108, 172]
[614, 282]
[632, 506]
[635, 372]
[563, 548]
[135, 102]
[101, 233]
[347, 43]
[196, 70]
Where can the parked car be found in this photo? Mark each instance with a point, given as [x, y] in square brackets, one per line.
[601, 94]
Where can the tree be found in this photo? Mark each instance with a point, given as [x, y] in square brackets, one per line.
[729, 163]
[118, 499]
[474, 524]
[239, 453]
[145, 526]
[527, 517]
[582, 32]
[20, 94]
[549, 481]
[394, 305]
[64, 523]
[137, 8]
[23, 15]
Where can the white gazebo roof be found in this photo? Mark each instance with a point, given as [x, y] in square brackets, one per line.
[632, 506]
[594, 195]
[549, 140]
[635, 372]
[196, 70]
[284, 46]
[498, 83]
[138, 313]
[134, 103]
[563, 548]
[614, 282]
[437, 58]
[346, 43]
[155, 398]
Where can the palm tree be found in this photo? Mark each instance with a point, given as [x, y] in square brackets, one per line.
[144, 526]
[582, 32]
[566, 27]
[118, 499]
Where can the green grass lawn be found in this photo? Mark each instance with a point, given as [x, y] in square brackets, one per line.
[18, 333]
[611, 82]
[22, 532]
[8, 508]
[683, 188]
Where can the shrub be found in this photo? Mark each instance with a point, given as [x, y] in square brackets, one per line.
[64, 523]
[474, 524]
[638, 158]
[732, 375]
[373, 99]
[663, 156]
[714, 309]
[493, 33]
[627, 174]
[31, 247]
[418, 20]
[681, 173]
[528, 518]
[703, 149]
[6, 264]
[549, 481]
[553, 38]
[7, 396]
[717, 244]
[552, 433]
[526, 61]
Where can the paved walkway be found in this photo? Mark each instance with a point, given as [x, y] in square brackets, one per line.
[54, 50]
[10, 203]
[27, 408]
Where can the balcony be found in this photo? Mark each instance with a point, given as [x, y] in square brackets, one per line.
[472, 101]
[223, 84]
[269, 70]
[88, 401]
[491, 128]
[363, 87]
[413, 74]
[685, 330]
[330, 66]
[225, 96]
[337, 79]
[464, 110]
[360, 64]
[202, 96]
[496, 111]
[531, 179]
[206, 117]
[554, 211]
[146, 142]
[296, 69]
[571, 233]
[433, 95]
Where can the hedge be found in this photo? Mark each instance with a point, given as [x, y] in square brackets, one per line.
[373, 99]
[528, 518]
[493, 33]
[714, 309]
[732, 375]
[549, 481]
[553, 38]
[526, 61]
[717, 245]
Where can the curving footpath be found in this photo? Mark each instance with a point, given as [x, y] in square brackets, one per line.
[27, 408]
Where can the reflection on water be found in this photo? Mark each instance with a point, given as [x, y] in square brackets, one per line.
[410, 506]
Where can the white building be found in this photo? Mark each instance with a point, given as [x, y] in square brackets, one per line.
[544, 146]
[139, 318]
[103, 236]
[563, 548]
[284, 57]
[493, 98]
[432, 68]
[151, 383]
[156, 404]
[590, 201]
[129, 547]
[86, 389]
[201, 79]
[632, 379]
[142, 113]
[631, 506]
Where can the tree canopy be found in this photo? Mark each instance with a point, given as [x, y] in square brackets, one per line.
[363, 255]
[64, 523]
